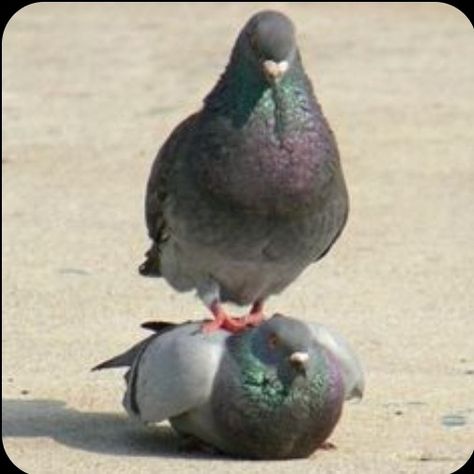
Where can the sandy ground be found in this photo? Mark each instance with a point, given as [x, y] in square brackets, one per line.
[89, 94]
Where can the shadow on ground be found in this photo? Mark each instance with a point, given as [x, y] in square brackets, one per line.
[108, 433]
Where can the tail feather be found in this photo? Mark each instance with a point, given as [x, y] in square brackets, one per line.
[151, 266]
[125, 359]
[159, 326]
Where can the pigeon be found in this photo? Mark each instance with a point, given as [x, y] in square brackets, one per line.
[248, 191]
[267, 392]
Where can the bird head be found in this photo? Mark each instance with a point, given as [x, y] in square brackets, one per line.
[268, 41]
[286, 343]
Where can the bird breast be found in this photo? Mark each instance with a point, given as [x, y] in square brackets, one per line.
[264, 174]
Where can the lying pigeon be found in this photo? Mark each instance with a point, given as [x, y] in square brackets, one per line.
[273, 391]
[249, 191]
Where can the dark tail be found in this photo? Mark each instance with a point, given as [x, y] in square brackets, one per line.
[151, 266]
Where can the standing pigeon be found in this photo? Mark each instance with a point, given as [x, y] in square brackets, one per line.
[273, 391]
[249, 191]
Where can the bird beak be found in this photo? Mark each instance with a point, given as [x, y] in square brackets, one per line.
[273, 70]
[299, 360]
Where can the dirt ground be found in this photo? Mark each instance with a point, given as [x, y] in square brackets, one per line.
[89, 94]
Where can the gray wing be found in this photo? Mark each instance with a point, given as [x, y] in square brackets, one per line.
[338, 211]
[174, 373]
[157, 190]
[337, 235]
[352, 373]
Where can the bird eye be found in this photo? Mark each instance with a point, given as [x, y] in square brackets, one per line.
[273, 340]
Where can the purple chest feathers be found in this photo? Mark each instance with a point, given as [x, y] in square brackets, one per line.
[268, 172]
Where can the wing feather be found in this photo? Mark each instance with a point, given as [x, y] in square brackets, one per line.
[157, 190]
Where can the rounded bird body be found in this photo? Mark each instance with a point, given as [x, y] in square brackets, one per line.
[249, 191]
[274, 391]
[266, 407]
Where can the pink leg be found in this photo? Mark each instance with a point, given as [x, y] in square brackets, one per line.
[222, 320]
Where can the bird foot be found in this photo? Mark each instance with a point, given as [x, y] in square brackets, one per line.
[327, 446]
[227, 323]
[190, 443]
[254, 319]
[232, 324]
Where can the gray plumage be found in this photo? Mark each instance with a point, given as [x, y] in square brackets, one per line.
[274, 391]
[249, 191]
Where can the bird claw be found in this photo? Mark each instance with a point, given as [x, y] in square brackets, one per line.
[254, 319]
[327, 446]
[232, 324]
